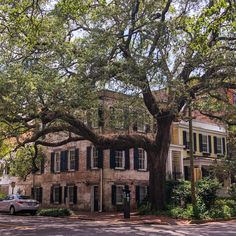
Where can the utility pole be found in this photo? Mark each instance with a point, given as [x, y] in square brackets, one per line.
[193, 192]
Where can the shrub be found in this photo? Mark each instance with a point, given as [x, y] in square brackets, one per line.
[182, 193]
[184, 213]
[2, 195]
[206, 190]
[232, 191]
[223, 208]
[55, 212]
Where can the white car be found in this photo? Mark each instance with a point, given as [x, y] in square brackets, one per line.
[18, 203]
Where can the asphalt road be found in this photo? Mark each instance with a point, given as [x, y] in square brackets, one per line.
[48, 226]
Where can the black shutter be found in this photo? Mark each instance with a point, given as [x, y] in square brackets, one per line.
[60, 195]
[65, 193]
[100, 117]
[136, 156]
[64, 161]
[127, 159]
[185, 139]
[137, 194]
[223, 142]
[112, 159]
[195, 142]
[200, 142]
[89, 157]
[76, 159]
[40, 194]
[215, 145]
[209, 143]
[51, 194]
[75, 195]
[113, 194]
[52, 161]
[100, 158]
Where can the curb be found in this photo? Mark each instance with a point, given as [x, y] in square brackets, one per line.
[211, 220]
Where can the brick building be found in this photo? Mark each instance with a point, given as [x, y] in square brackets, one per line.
[80, 176]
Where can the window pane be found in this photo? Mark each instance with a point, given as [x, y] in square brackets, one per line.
[72, 159]
[119, 194]
[119, 159]
[94, 156]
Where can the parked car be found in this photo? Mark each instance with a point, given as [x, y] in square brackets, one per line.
[18, 203]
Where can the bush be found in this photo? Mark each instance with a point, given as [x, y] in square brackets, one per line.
[206, 190]
[181, 193]
[183, 213]
[55, 212]
[232, 191]
[2, 195]
[223, 208]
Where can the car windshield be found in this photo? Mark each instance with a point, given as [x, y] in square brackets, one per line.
[23, 197]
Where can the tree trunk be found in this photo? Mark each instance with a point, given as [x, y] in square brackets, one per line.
[157, 164]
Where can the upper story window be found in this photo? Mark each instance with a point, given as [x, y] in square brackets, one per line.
[219, 145]
[141, 124]
[71, 159]
[119, 159]
[205, 145]
[142, 159]
[57, 162]
[94, 158]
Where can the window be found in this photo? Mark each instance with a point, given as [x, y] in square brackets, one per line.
[142, 160]
[119, 159]
[219, 144]
[94, 158]
[57, 162]
[71, 159]
[119, 194]
[71, 194]
[142, 193]
[56, 194]
[187, 145]
[141, 125]
[205, 146]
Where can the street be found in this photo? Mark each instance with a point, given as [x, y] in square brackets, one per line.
[49, 226]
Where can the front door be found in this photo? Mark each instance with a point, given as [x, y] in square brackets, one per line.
[95, 202]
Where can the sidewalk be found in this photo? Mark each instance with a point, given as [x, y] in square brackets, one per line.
[117, 217]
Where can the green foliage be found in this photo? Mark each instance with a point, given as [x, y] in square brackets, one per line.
[21, 165]
[206, 190]
[55, 212]
[2, 195]
[183, 213]
[223, 208]
[182, 193]
[232, 191]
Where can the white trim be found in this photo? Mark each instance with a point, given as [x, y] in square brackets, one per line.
[123, 160]
[68, 159]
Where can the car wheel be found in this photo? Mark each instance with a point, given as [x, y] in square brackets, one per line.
[33, 213]
[12, 210]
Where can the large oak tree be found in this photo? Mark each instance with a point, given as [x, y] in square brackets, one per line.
[56, 57]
